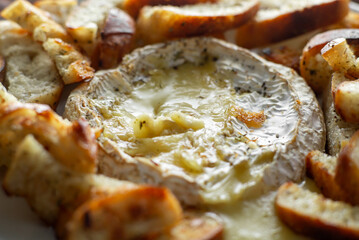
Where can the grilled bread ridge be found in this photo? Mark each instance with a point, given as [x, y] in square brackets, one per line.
[279, 20]
[140, 125]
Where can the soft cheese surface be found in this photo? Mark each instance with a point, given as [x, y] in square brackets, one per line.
[211, 121]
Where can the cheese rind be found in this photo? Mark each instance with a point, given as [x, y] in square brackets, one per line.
[201, 78]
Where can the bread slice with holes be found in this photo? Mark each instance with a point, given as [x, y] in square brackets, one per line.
[312, 214]
[279, 20]
[30, 74]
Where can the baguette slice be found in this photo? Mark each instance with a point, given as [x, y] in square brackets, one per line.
[321, 167]
[279, 20]
[133, 7]
[347, 172]
[35, 21]
[346, 97]
[142, 213]
[85, 22]
[196, 226]
[338, 131]
[49, 186]
[72, 144]
[160, 23]
[313, 67]
[116, 40]
[58, 9]
[30, 74]
[311, 214]
[72, 65]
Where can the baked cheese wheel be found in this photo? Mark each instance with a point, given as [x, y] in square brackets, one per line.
[209, 120]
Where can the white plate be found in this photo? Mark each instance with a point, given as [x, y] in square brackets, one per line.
[18, 221]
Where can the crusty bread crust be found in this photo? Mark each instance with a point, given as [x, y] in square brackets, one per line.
[280, 26]
[156, 24]
[30, 74]
[71, 64]
[35, 21]
[347, 172]
[116, 40]
[321, 167]
[133, 7]
[61, 138]
[338, 131]
[311, 214]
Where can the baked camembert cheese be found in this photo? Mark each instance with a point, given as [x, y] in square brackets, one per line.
[205, 118]
[213, 122]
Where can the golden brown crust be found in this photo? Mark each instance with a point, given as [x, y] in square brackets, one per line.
[321, 168]
[71, 64]
[74, 145]
[140, 213]
[313, 68]
[116, 40]
[35, 21]
[157, 24]
[347, 172]
[259, 33]
[133, 7]
[197, 227]
[291, 206]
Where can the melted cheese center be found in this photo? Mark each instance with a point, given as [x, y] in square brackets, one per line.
[181, 119]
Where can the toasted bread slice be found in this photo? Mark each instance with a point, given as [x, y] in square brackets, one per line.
[58, 9]
[72, 144]
[85, 22]
[116, 39]
[30, 74]
[35, 21]
[160, 23]
[72, 65]
[338, 131]
[321, 167]
[279, 20]
[313, 215]
[197, 227]
[49, 186]
[313, 67]
[340, 56]
[346, 97]
[142, 213]
[347, 172]
[133, 7]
